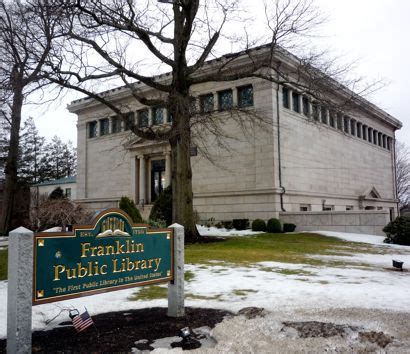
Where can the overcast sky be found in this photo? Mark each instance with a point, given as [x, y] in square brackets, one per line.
[373, 31]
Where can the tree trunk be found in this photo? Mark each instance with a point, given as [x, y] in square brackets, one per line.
[10, 187]
[181, 172]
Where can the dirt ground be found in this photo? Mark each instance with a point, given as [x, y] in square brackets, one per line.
[118, 331]
[252, 330]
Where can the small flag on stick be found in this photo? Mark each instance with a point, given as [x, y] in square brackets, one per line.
[83, 321]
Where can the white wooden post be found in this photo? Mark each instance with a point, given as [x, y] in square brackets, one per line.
[19, 292]
[176, 307]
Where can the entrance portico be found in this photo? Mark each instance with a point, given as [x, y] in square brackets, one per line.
[150, 170]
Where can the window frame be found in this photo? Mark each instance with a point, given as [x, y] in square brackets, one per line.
[222, 107]
[203, 109]
[240, 89]
[104, 128]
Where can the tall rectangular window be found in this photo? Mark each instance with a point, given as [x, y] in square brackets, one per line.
[142, 115]
[323, 111]
[339, 121]
[245, 96]
[305, 103]
[359, 129]
[129, 120]
[315, 111]
[206, 103]
[374, 137]
[225, 100]
[353, 127]
[296, 102]
[157, 115]
[379, 139]
[332, 122]
[92, 129]
[369, 134]
[104, 126]
[388, 143]
[346, 124]
[285, 97]
[364, 132]
[115, 124]
[384, 141]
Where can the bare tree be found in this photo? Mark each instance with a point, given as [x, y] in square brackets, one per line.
[403, 173]
[27, 31]
[104, 38]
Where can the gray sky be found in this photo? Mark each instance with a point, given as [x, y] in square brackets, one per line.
[374, 32]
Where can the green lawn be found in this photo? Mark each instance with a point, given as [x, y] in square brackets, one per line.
[3, 264]
[289, 248]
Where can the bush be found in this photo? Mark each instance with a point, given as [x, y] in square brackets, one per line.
[127, 205]
[398, 231]
[57, 193]
[162, 209]
[240, 224]
[227, 224]
[289, 227]
[274, 226]
[258, 225]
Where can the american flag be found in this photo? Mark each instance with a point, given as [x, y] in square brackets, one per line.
[83, 321]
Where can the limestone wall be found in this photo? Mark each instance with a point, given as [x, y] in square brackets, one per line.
[360, 222]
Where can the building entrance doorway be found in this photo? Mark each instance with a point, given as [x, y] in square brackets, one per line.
[157, 178]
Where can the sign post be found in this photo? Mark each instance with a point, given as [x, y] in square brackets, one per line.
[110, 254]
[19, 291]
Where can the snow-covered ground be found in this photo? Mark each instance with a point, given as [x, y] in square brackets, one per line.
[366, 282]
[213, 231]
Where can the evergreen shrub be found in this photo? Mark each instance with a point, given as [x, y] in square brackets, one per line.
[258, 225]
[398, 231]
[273, 226]
[240, 224]
[227, 224]
[289, 227]
[127, 205]
[162, 209]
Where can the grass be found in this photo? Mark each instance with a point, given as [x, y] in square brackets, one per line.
[288, 248]
[243, 292]
[3, 264]
[151, 292]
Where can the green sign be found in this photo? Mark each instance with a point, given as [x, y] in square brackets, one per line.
[110, 254]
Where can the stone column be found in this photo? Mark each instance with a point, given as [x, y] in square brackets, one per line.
[234, 97]
[167, 168]
[290, 95]
[142, 194]
[176, 287]
[346, 125]
[301, 103]
[150, 112]
[19, 292]
[134, 179]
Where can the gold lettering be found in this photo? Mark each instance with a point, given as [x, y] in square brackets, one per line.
[71, 273]
[157, 263]
[109, 250]
[84, 249]
[100, 251]
[103, 269]
[57, 270]
[120, 248]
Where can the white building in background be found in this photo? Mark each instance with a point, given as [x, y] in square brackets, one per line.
[67, 184]
[310, 159]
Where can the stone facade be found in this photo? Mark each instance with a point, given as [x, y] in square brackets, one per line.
[296, 162]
